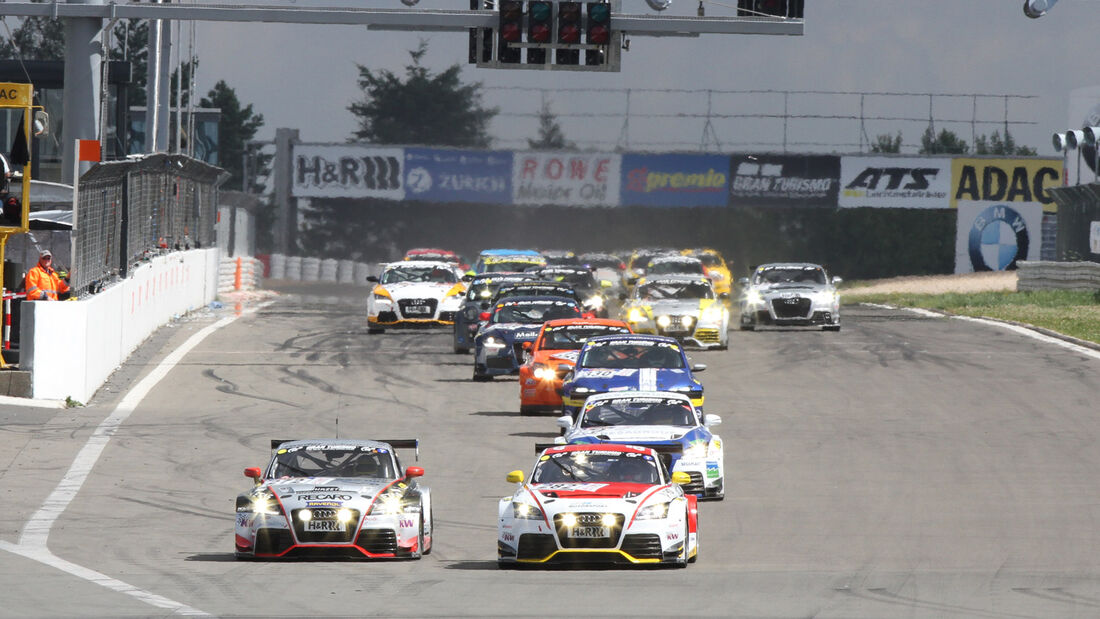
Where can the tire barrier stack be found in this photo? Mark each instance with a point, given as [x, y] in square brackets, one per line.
[241, 273]
[1044, 275]
[307, 269]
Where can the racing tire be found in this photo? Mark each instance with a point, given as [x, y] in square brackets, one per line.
[461, 350]
[427, 551]
[482, 378]
[831, 328]
[527, 411]
[375, 330]
[684, 562]
[420, 541]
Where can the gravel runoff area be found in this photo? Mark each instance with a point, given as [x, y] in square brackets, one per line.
[938, 284]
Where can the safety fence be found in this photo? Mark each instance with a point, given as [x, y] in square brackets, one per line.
[1043, 275]
[129, 211]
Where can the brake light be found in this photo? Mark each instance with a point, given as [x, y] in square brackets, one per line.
[484, 316]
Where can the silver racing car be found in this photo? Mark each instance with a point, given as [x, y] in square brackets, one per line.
[790, 294]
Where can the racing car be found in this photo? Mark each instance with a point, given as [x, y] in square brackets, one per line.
[610, 504]
[335, 498]
[673, 264]
[790, 294]
[552, 355]
[479, 293]
[498, 348]
[507, 261]
[414, 293]
[436, 255]
[662, 420]
[682, 306]
[630, 363]
[583, 281]
[532, 288]
[718, 270]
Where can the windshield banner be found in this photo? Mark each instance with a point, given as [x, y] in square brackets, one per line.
[784, 180]
[895, 182]
[566, 179]
[458, 176]
[347, 171]
[675, 180]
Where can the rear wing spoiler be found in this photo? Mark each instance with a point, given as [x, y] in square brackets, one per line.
[399, 443]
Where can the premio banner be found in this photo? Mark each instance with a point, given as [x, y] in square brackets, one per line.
[895, 182]
[347, 171]
[567, 179]
[1014, 181]
[458, 176]
[784, 180]
[674, 180]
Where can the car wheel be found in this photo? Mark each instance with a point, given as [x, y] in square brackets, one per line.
[420, 540]
[481, 378]
[431, 517]
[527, 410]
[461, 350]
[831, 328]
[375, 330]
[683, 562]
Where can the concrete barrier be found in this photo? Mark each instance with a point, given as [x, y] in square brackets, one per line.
[1045, 275]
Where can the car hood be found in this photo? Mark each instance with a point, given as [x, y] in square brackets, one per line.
[557, 356]
[628, 434]
[791, 287]
[674, 306]
[418, 290]
[592, 492]
[326, 491]
[644, 379]
[512, 331]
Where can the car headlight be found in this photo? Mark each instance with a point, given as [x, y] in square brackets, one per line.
[391, 504]
[635, 315]
[687, 321]
[653, 512]
[696, 450]
[265, 503]
[753, 297]
[492, 342]
[712, 314]
[663, 321]
[525, 511]
[595, 301]
[544, 372]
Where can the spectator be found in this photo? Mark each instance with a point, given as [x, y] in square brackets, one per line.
[42, 282]
[12, 213]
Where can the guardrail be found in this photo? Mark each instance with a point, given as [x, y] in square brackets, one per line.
[1045, 275]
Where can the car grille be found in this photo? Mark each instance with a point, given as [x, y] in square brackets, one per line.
[791, 307]
[707, 336]
[535, 546]
[697, 485]
[378, 541]
[405, 304]
[589, 518]
[645, 546]
[324, 537]
[272, 541]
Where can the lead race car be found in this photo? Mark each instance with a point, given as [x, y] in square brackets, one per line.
[414, 293]
[598, 504]
[681, 306]
[335, 498]
[790, 294]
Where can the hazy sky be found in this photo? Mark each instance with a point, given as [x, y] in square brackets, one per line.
[304, 77]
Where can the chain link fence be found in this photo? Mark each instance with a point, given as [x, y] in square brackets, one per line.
[131, 210]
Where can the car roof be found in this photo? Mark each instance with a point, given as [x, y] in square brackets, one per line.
[334, 442]
[606, 322]
[780, 265]
[634, 336]
[614, 395]
[676, 279]
[509, 252]
[419, 264]
[599, 447]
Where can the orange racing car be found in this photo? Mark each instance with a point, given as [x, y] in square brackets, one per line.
[552, 355]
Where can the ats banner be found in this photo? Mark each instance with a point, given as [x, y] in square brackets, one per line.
[993, 236]
[567, 179]
[675, 180]
[895, 182]
[1016, 181]
[347, 171]
[458, 176]
[784, 180]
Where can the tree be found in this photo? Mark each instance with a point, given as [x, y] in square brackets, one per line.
[885, 143]
[994, 145]
[426, 108]
[550, 133]
[37, 38]
[236, 127]
[131, 42]
[944, 143]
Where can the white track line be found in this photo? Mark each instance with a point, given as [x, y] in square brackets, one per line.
[32, 542]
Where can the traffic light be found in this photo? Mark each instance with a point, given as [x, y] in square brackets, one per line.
[778, 8]
[540, 17]
[597, 32]
[569, 31]
[486, 52]
[510, 30]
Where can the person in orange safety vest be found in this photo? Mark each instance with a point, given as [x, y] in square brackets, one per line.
[42, 282]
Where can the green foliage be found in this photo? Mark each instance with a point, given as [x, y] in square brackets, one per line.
[236, 127]
[994, 145]
[944, 143]
[37, 38]
[434, 109]
[551, 136]
[885, 143]
[131, 42]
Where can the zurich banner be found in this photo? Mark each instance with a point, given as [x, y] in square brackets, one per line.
[434, 175]
[674, 180]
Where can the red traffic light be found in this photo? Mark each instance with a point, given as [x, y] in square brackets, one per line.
[599, 35]
[510, 32]
[569, 33]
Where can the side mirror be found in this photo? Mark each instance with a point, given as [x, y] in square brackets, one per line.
[565, 421]
[837, 280]
[467, 277]
[698, 367]
[515, 477]
[564, 367]
[41, 123]
[471, 273]
[724, 296]
[711, 420]
[372, 278]
[414, 471]
[681, 478]
[253, 472]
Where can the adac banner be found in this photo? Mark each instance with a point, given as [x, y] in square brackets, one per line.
[458, 175]
[895, 182]
[784, 180]
[347, 171]
[674, 180]
[1011, 181]
[567, 179]
[994, 236]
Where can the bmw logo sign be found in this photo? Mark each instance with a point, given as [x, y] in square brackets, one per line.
[998, 238]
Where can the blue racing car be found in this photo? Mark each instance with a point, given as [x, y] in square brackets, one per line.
[498, 347]
[479, 295]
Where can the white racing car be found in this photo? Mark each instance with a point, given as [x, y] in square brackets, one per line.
[335, 498]
[414, 293]
[790, 294]
[598, 504]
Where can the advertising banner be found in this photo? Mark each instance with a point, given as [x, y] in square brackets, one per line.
[458, 176]
[567, 179]
[993, 236]
[895, 182]
[674, 180]
[347, 171]
[784, 180]
[1015, 181]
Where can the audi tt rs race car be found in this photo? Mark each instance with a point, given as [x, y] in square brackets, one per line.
[507, 261]
[681, 306]
[479, 293]
[630, 363]
[414, 293]
[552, 355]
[335, 498]
[498, 348]
[436, 255]
[790, 294]
[661, 420]
[598, 504]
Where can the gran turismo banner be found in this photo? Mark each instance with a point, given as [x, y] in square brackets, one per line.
[566, 179]
[784, 180]
[347, 171]
[674, 180]
[1015, 181]
[434, 175]
[895, 182]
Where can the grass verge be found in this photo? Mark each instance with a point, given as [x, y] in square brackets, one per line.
[1076, 314]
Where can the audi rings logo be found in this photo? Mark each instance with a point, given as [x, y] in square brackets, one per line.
[998, 238]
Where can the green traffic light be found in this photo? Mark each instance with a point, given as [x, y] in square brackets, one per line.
[540, 11]
[599, 13]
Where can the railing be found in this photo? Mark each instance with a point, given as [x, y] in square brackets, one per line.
[1042, 275]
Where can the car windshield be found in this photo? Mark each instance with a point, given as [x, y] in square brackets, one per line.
[484, 289]
[561, 259]
[632, 354]
[663, 291]
[572, 337]
[413, 273]
[533, 312]
[601, 262]
[509, 266]
[579, 279]
[778, 275]
[669, 267]
[597, 466]
[547, 289]
[709, 260]
[638, 412]
[334, 461]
